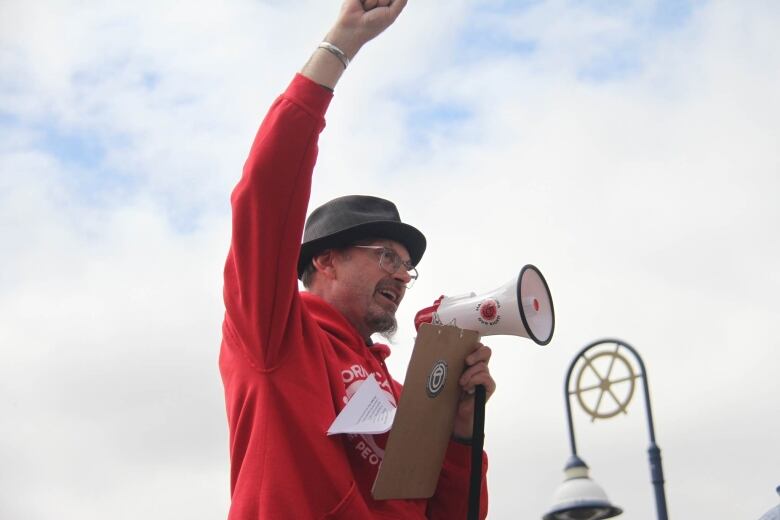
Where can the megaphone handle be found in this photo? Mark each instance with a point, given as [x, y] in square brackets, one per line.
[477, 442]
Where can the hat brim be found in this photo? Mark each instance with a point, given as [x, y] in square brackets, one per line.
[409, 236]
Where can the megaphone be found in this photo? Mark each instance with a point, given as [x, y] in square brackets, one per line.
[521, 307]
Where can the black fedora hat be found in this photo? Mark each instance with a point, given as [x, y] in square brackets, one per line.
[345, 220]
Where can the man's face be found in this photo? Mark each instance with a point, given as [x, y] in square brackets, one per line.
[369, 295]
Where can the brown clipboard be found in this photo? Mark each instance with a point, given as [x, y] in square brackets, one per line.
[423, 422]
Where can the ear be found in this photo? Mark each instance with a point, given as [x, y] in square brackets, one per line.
[324, 263]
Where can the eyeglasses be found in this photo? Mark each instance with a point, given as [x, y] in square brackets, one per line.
[390, 263]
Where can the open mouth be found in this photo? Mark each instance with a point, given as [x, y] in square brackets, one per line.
[390, 295]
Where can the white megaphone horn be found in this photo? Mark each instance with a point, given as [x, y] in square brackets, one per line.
[521, 307]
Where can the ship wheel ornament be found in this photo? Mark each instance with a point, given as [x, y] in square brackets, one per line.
[605, 384]
[603, 375]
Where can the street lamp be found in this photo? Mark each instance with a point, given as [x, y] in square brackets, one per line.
[579, 497]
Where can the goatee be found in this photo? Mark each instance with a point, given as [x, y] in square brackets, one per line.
[385, 325]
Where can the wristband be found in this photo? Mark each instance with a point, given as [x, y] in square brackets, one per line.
[335, 51]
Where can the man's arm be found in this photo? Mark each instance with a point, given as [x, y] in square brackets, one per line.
[270, 201]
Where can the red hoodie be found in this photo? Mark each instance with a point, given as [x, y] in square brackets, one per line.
[290, 361]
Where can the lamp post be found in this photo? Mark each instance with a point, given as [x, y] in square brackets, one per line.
[579, 497]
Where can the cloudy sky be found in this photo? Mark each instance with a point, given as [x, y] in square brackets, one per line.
[629, 149]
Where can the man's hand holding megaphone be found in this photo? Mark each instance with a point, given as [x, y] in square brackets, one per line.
[477, 373]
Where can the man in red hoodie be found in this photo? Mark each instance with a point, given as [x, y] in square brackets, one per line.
[290, 360]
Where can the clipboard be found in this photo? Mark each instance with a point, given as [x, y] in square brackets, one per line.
[426, 414]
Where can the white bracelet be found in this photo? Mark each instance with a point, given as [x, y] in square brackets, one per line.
[335, 51]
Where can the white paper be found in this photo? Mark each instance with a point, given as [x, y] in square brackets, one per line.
[368, 411]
